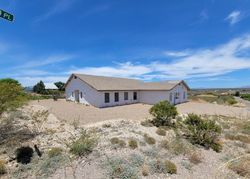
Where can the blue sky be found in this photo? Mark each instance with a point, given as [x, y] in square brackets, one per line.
[206, 43]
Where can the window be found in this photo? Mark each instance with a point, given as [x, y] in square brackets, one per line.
[125, 95]
[116, 97]
[177, 94]
[81, 94]
[184, 95]
[106, 97]
[135, 95]
[171, 97]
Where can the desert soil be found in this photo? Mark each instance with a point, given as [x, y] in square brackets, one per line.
[70, 111]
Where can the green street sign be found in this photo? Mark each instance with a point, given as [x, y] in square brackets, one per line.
[6, 15]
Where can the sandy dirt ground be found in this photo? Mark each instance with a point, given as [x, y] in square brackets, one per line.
[70, 111]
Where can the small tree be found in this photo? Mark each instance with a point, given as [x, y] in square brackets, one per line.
[163, 113]
[39, 88]
[60, 85]
[237, 93]
[12, 95]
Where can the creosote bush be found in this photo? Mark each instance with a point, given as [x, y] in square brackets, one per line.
[149, 140]
[132, 144]
[85, 144]
[163, 113]
[203, 132]
[161, 132]
[55, 151]
[3, 169]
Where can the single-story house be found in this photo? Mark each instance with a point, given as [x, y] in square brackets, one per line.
[100, 91]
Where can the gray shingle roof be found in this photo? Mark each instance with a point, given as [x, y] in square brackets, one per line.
[102, 83]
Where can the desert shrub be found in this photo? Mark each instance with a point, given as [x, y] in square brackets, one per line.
[241, 166]
[117, 141]
[159, 166]
[3, 169]
[120, 168]
[132, 144]
[147, 123]
[245, 96]
[195, 157]
[161, 132]
[55, 151]
[170, 167]
[203, 132]
[149, 140]
[84, 145]
[136, 160]
[106, 125]
[12, 95]
[163, 113]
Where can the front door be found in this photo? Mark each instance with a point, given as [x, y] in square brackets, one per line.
[77, 95]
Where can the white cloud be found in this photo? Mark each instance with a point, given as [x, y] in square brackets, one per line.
[45, 61]
[60, 6]
[234, 17]
[198, 64]
[177, 53]
[122, 70]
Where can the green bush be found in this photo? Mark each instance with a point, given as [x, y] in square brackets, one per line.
[55, 151]
[203, 132]
[3, 169]
[84, 145]
[132, 144]
[170, 167]
[163, 113]
[12, 95]
[149, 140]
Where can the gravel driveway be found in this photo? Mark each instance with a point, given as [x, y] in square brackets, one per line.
[70, 111]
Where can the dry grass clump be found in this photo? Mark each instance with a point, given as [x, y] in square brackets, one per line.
[159, 166]
[145, 170]
[149, 140]
[239, 137]
[55, 151]
[195, 157]
[3, 169]
[170, 167]
[117, 141]
[161, 132]
[132, 143]
[177, 146]
[84, 145]
[241, 166]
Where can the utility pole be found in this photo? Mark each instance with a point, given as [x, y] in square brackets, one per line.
[6, 15]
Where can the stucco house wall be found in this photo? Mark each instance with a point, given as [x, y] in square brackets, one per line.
[152, 97]
[121, 98]
[89, 95]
